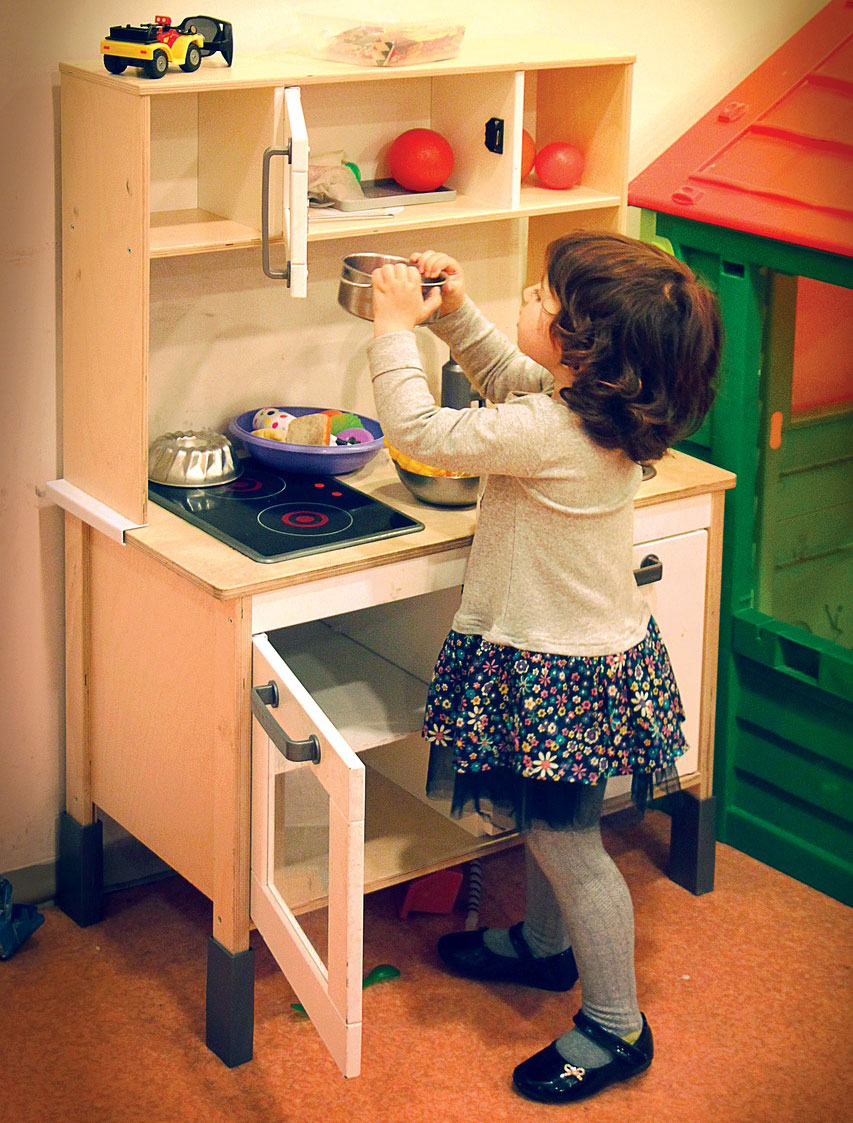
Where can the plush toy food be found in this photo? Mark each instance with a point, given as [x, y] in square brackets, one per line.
[357, 435]
[271, 434]
[345, 421]
[310, 429]
[271, 417]
[331, 427]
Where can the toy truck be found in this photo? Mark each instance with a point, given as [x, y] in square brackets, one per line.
[153, 46]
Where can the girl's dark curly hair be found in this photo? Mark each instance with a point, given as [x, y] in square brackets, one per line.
[643, 336]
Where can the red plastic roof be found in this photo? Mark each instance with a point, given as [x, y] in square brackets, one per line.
[775, 156]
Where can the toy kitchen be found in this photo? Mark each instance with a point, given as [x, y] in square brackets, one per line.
[246, 664]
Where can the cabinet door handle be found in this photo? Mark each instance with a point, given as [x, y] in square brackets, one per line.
[651, 570]
[274, 274]
[298, 751]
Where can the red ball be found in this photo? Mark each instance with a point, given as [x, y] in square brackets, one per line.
[528, 153]
[420, 159]
[559, 165]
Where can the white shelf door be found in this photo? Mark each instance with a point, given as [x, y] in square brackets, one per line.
[290, 120]
[330, 991]
[296, 192]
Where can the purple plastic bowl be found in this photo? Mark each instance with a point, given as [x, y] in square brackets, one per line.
[324, 460]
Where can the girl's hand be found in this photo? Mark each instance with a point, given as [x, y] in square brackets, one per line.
[398, 304]
[430, 263]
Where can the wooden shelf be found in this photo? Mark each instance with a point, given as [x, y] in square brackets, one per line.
[192, 231]
[175, 233]
[283, 68]
[534, 200]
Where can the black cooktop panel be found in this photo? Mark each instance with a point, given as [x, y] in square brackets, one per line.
[271, 515]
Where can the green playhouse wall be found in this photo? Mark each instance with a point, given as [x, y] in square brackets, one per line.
[784, 734]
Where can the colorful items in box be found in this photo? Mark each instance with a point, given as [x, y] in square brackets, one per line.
[330, 427]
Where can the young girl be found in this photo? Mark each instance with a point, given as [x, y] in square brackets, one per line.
[554, 676]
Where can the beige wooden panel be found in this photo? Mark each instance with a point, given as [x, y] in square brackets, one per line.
[480, 174]
[544, 228]
[708, 709]
[232, 795]
[229, 173]
[78, 775]
[105, 293]
[173, 172]
[168, 706]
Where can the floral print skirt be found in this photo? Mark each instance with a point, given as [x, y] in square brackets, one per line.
[515, 734]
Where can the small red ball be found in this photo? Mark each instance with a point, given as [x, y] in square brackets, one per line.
[528, 153]
[559, 165]
[420, 159]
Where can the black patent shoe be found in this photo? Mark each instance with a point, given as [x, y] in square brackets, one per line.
[549, 1078]
[466, 954]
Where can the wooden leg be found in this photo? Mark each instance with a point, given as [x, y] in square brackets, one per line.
[230, 1003]
[78, 765]
[693, 841]
[230, 960]
[80, 864]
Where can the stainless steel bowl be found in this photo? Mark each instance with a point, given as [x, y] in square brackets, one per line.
[355, 291]
[198, 458]
[441, 491]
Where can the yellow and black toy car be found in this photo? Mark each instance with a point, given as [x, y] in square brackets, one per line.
[153, 46]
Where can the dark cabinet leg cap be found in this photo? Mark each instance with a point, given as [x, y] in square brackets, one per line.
[230, 1003]
[693, 841]
[80, 870]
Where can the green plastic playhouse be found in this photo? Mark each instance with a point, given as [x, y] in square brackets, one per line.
[757, 197]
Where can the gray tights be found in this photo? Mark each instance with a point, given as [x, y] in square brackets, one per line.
[577, 896]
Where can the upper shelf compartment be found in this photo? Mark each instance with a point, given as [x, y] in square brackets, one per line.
[207, 149]
[206, 160]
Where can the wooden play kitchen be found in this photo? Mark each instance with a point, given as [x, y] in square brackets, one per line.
[256, 725]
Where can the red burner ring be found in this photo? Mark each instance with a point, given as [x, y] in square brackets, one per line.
[305, 518]
[245, 484]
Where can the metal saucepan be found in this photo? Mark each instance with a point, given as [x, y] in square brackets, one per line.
[355, 291]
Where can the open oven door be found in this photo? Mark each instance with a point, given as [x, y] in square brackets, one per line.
[290, 121]
[308, 852]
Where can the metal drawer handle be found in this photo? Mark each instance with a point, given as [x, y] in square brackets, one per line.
[297, 751]
[651, 570]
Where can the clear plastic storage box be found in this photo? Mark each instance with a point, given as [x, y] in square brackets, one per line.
[373, 42]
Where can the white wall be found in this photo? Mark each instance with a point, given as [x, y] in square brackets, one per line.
[689, 55]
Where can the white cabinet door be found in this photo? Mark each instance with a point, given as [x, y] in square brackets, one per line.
[288, 111]
[677, 602]
[314, 806]
[676, 598]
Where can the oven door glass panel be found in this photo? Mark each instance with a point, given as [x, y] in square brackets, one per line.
[308, 853]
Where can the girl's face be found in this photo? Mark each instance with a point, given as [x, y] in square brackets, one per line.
[538, 309]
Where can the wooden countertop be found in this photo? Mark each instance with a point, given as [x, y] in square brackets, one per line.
[225, 573]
